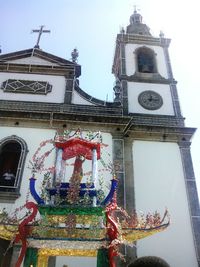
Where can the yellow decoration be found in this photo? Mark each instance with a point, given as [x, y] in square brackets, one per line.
[64, 244]
[44, 254]
[67, 252]
[42, 261]
[63, 232]
[8, 232]
[131, 235]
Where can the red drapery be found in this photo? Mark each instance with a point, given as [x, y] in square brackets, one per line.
[73, 147]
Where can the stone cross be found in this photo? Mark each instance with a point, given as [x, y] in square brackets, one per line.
[40, 31]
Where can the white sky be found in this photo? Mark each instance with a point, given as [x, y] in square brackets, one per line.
[92, 25]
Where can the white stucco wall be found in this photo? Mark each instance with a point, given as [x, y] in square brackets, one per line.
[134, 89]
[159, 184]
[55, 96]
[131, 59]
[76, 261]
[79, 100]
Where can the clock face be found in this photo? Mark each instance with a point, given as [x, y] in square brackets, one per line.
[150, 100]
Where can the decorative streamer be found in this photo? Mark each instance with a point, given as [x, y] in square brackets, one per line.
[31, 257]
[110, 195]
[23, 232]
[102, 258]
[37, 198]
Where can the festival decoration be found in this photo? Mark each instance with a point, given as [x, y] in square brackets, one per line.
[75, 217]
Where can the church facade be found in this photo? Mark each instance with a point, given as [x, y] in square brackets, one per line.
[143, 129]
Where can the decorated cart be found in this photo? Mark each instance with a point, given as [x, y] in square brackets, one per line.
[74, 218]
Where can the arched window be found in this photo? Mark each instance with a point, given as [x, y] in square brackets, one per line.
[13, 152]
[146, 60]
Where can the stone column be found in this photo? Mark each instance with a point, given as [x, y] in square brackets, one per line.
[123, 162]
[191, 193]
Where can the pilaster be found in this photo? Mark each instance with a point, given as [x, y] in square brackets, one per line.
[118, 160]
[173, 88]
[125, 97]
[68, 90]
[122, 159]
[191, 193]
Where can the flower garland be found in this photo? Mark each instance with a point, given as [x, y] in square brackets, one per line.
[37, 163]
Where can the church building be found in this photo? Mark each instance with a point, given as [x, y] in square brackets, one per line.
[146, 140]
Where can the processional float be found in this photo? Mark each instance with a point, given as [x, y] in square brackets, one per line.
[74, 218]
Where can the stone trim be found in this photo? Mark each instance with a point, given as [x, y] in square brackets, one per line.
[94, 100]
[43, 55]
[122, 160]
[157, 120]
[129, 175]
[168, 63]
[9, 197]
[173, 88]
[112, 109]
[175, 99]
[146, 78]
[11, 194]
[68, 71]
[129, 189]
[124, 84]
[116, 60]
[26, 87]
[118, 161]
[158, 133]
[122, 60]
[142, 39]
[68, 90]
[191, 194]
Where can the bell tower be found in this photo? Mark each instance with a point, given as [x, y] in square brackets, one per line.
[157, 159]
[142, 63]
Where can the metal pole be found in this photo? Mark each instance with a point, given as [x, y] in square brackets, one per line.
[94, 172]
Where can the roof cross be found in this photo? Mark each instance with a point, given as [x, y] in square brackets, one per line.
[40, 31]
[136, 8]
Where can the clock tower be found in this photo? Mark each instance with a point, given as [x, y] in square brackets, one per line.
[142, 62]
[157, 159]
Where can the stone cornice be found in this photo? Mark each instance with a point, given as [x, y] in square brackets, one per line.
[64, 67]
[147, 78]
[161, 120]
[159, 133]
[138, 125]
[67, 70]
[143, 39]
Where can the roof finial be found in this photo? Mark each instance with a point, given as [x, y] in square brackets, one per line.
[40, 31]
[136, 17]
[136, 9]
[161, 35]
[74, 55]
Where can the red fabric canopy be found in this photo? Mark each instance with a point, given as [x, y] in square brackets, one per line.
[73, 147]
